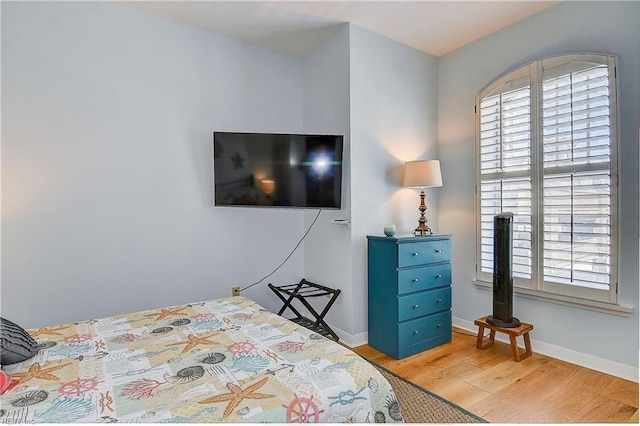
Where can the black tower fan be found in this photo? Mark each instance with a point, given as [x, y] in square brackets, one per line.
[502, 272]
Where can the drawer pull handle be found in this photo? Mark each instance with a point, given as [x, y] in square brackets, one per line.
[438, 251]
[415, 280]
[416, 253]
[415, 332]
[415, 306]
[439, 325]
[439, 276]
[439, 301]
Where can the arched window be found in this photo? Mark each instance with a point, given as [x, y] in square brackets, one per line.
[546, 151]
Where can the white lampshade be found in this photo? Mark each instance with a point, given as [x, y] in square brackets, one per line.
[422, 174]
[268, 186]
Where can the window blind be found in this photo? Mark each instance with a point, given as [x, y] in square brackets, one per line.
[577, 204]
[505, 122]
[505, 153]
[546, 153]
[576, 223]
[576, 125]
[507, 195]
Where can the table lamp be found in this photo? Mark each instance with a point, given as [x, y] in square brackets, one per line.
[268, 186]
[422, 174]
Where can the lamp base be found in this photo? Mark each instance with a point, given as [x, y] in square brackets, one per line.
[422, 230]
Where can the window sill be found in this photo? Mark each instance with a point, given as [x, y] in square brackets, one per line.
[607, 308]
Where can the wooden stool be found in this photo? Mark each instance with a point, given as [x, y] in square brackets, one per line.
[524, 329]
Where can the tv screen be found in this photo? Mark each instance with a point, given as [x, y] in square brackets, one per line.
[279, 170]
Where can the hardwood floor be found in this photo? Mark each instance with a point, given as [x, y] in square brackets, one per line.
[490, 384]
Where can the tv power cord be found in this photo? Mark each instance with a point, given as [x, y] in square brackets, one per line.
[287, 258]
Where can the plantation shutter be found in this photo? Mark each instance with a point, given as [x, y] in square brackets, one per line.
[546, 152]
[576, 129]
[505, 163]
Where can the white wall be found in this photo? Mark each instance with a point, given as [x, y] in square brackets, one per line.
[107, 122]
[605, 27]
[327, 248]
[108, 117]
[394, 92]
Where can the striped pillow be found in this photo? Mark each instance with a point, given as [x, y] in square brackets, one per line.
[16, 345]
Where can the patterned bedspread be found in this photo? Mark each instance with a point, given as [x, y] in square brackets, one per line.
[221, 360]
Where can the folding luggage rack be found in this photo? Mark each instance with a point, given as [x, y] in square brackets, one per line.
[302, 291]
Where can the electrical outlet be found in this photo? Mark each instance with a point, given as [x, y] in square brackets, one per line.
[235, 291]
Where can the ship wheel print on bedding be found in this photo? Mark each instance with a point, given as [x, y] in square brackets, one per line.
[303, 410]
[237, 394]
[241, 348]
[78, 387]
[77, 339]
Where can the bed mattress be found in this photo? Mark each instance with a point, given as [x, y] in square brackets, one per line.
[224, 360]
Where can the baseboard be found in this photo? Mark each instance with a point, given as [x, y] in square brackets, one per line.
[578, 358]
[584, 360]
[351, 340]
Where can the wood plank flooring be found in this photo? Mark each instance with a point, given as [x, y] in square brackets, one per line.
[490, 384]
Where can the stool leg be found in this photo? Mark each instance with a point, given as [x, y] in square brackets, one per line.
[514, 347]
[527, 346]
[481, 343]
[480, 335]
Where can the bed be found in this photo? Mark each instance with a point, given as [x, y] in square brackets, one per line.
[224, 360]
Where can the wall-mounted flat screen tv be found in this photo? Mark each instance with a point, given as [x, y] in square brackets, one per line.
[277, 170]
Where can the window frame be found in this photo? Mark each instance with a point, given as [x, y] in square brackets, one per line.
[531, 74]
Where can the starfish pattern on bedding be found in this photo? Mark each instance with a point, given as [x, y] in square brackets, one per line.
[50, 331]
[164, 312]
[236, 395]
[37, 372]
[193, 341]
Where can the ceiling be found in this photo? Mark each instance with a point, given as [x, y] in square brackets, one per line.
[298, 27]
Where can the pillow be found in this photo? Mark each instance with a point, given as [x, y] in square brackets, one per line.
[6, 382]
[16, 345]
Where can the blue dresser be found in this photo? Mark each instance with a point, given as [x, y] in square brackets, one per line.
[409, 293]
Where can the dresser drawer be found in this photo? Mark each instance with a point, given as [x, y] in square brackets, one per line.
[423, 252]
[425, 303]
[422, 278]
[421, 329]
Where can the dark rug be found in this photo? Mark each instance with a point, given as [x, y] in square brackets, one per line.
[421, 406]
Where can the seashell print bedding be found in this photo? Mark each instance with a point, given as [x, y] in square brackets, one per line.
[224, 360]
